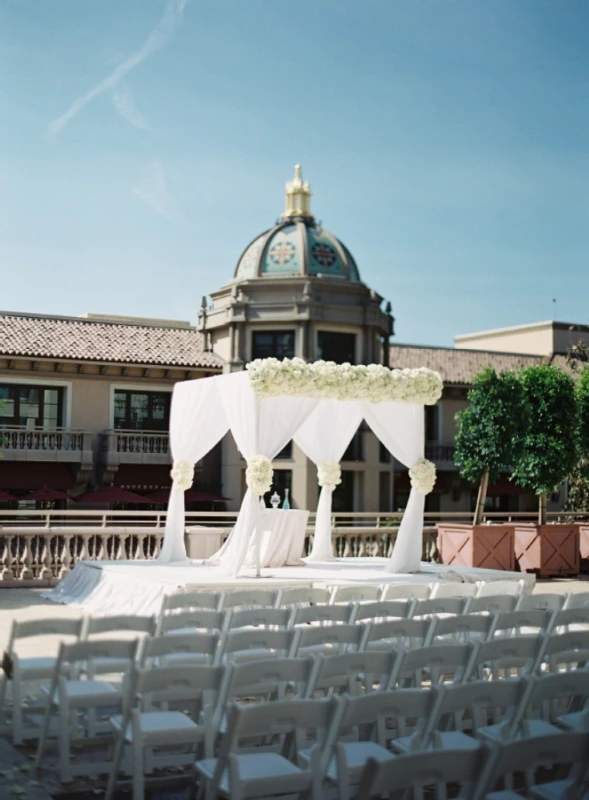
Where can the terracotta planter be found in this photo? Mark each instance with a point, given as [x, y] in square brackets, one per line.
[488, 546]
[583, 528]
[547, 550]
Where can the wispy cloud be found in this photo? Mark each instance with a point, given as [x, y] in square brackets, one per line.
[123, 102]
[159, 36]
[151, 189]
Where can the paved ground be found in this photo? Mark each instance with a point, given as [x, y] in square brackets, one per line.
[16, 777]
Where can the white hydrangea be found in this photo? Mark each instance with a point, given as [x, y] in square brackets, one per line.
[329, 474]
[183, 475]
[423, 476]
[325, 379]
[258, 475]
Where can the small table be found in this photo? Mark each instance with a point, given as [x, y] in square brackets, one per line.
[282, 538]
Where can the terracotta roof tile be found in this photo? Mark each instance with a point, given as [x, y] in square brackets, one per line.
[90, 340]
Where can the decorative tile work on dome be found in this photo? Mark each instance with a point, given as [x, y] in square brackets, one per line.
[323, 256]
[283, 253]
[248, 265]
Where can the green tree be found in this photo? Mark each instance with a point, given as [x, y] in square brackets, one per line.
[578, 481]
[550, 451]
[490, 431]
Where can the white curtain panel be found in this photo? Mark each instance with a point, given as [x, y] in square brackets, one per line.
[324, 436]
[259, 427]
[197, 423]
[401, 428]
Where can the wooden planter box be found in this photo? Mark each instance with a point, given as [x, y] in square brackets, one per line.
[488, 546]
[547, 550]
[583, 528]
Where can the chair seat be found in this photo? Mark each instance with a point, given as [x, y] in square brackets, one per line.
[357, 754]
[252, 766]
[530, 727]
[575, 721]
[404, 744]
[159, 723]
[557, 790]
[450, 740]
[80, 691]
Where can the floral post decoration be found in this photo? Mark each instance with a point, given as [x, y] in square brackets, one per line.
[374, 383]
[258, 475]
[423, 476]
[183, 475]
[329, 474]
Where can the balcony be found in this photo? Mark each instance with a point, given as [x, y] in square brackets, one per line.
[441, 454]
[133, 447]
[19, 443]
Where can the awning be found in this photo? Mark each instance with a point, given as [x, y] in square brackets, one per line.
[143, 477]
[506, 487]
[190, 496]
[33, 474]
[111, 495]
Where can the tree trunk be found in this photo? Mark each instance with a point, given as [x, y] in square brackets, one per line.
[481, 497]
[542, 510]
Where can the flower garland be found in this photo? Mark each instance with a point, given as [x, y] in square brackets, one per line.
[329, 474]
[423, 476]
[258, 475]
[183, 475]
[374, 383]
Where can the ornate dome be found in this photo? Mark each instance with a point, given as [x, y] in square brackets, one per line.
[297, 245]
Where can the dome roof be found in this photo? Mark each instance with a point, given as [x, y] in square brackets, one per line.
[297, 245]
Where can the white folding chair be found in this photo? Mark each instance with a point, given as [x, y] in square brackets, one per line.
[153, 732]
[493, 588]
[197, 619]
[120, 626]
[302, 596]
[525, 756]
[441, 607]
[529, 622]
[322, 615]
[407, 776]
[492, 603]
[396, 633]
[184, 601]
[505, 657]
[564, 652]
[247, 644]
[571, 619]
[383, 609]
[550, 699]
[354, 673]
[19, 669]
[541, 602]
[577, 600]
[405, 591]
[436, 664]
[463, 628]
[465, 710]
[370, 728]
[358, 593]
[259, 617]
[328, 639]
[249, 598]
[453, 589]
[180, 648]
[74, 690]
[239, 775]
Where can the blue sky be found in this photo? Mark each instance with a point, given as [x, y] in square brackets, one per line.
[144, 143]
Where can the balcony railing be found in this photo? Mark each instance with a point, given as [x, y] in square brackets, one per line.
[434, 451]
[134, 447]
[20, 438]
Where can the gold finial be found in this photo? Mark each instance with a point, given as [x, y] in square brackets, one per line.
[298, 196]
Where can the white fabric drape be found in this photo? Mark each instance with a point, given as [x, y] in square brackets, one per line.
[259, 427]
[400, 427]
[324, 436]
[197, 423]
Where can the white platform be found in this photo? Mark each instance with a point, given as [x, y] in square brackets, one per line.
[137, 587]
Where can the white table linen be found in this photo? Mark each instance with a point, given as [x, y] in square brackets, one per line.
[282, 538]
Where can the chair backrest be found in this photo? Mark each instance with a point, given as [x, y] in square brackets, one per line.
[505, 657]
[303, 595]
[567, 618]
[169, 684]
[453, 589]
[304, 615]
[542, 602]
[440, 605]
[566, 651]
[196, 619]
[555, 694]
[186, 600]
[203, 643]
[517, 623]
[122, 653]
[258, 643]
[249, 598]
[493, 588]
[442, 663]
[384, 609]
[326, 638]
[412, 772]
[253, 617]
[398, 633]
[526, 755]
[389, 715]
[492, 603]
[464, 628]
[358, 593]
[403, 591]
[58, 626]
[578, 600]
[122, 624]
[354, 673]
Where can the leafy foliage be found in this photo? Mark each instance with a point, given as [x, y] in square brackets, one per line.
[550, 450]
[578, 481]
[491, 430]
[582, 392]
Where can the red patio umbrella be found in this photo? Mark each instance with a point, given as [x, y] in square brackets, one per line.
[46, 493]
[190, 496]
[112, 494]
[7, 498]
